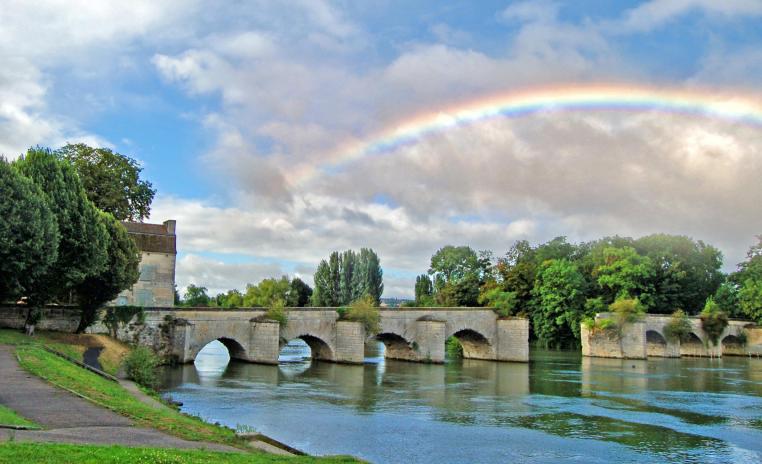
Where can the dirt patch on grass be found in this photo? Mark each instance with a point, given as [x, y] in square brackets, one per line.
[110, 358]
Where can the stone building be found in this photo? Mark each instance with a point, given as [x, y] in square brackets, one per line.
[158, 250]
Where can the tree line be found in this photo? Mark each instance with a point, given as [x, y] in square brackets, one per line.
[60, 236]
[344, 278]
[558, 284]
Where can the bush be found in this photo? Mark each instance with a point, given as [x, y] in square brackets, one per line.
[678, 327]
[713, 320]
[453, 348]
[364, 310]
[140, 365]
[277, 312]
[598, 324]
[627, 310]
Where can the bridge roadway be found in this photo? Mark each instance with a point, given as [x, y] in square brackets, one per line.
[410, 334]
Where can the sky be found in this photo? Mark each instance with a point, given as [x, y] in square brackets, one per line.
[258, 122]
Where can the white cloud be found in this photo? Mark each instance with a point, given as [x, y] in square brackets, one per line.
[657, 13]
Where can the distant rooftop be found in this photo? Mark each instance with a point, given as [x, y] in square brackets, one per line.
[156, 238]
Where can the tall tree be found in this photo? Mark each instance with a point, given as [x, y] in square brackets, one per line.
[424, 290]
[372, 282]
[28, 234]
[348, 267]
[82, 244]
[120, 272]
[111, 180]
[749, 280]
[560, 300]
[451, 263]
[347, 277]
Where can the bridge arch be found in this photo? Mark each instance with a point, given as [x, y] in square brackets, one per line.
[656, 343]
[397, 347]
[733, 345]
[319, 348]
[475, 344]
[693, 345]
[236, 350]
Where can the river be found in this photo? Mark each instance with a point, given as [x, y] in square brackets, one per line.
[560, 407]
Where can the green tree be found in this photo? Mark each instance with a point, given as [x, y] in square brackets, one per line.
[267, 292]
[516, 273]
[685, 272]
[120, 272]
[749, 280]
[726, 298]
[111, 180]
[196, 296]
[83, 238]
[231, 299]
[299, 294]
[624, 273]
[424, 290]
[28, 234]
[560, 298]
[451, 263]
[348, 276]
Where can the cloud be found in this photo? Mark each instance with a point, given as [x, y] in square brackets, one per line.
[219, 276]
[657, 13]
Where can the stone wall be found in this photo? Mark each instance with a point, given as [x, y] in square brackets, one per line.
[155, 286]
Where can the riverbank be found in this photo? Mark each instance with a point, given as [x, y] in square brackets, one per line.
[75, 406]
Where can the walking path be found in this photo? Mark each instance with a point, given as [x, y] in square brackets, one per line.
[67, 418]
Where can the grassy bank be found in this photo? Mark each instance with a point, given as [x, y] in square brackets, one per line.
[73, 345]
[9, 417]
[79, 454]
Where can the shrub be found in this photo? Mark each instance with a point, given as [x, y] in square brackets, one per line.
[678, 327]
[592, 323]
[713, 320]
[364, 310]
[453, 348]
[627, 310]
[140, 365]
[277, 312]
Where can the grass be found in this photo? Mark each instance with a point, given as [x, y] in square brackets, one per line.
[87, 454]
[73, 345]
[9, 417]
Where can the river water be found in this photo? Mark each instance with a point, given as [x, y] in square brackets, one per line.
[560, 407]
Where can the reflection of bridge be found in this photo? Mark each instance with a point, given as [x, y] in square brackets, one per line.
[647, 338]
[411, 334]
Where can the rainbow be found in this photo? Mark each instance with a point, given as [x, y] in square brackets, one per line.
[745, 110]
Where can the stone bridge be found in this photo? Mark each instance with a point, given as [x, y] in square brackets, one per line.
[410, 334]
[646, 338]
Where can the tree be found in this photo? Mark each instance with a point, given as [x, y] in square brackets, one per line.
[726, 298]
[196, 296]
[749, 280]
[120, 273]
[686, 272]
[267, 292]
[82, 237]
[232, 299]
[560, 298]
[624, 273]
[28, 234]
[347, 277]
[299, 294]
[111, 180]
[450, 264]
[424, 290]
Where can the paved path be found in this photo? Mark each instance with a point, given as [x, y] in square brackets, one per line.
[67, 418]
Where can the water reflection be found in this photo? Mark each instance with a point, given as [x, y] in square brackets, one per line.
[560, 406]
